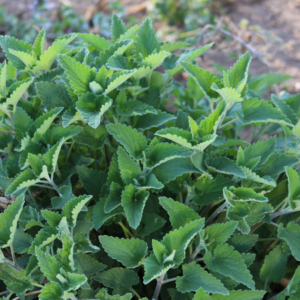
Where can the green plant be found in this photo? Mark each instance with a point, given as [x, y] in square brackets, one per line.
[114, 197]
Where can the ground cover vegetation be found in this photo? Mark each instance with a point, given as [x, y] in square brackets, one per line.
[116, 197]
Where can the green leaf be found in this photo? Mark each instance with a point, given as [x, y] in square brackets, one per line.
[217, 234]
[285, 109]
[135, 108]
[276, 164]
[179, 239]
[92, 109]
[255, 110]
[95, 40]
[179, 214]
[79, 75]
[51, 157]
[38, 45]
[155, 60]
[133, 141]
[22, 182]
[94, 138]
[92, 180]
[145, 42]
[18, 92]
[129, 168]
[274, 265]
[51, 291]
[224, 165]
[7, 43]
[150, 223]
[66, 196]
[22, 123]
[28, 59]
[243, 243]
[117, 28]
[159, 153]
[241, 295]
[177, 135]
[3, 70]
[120, 280]
[22, 241]
[99, 214]
[53, 95]
[175, 295]
[88, 264]
[103, 295]
[203, 78]
[14, 280]
[261, 149]
[294, 187]
[172, 46]
[171, 169]
[228, 262]
[73, 208]
[8, 222]
[228, 94]
[195, 277]
[43, 238]
[41, 125]
[153, 120]
[46, 59]
[201, 295]
[239, 71]
[52, 218]
[242, 194]
[129, 252]
[122, 77]
[133, 202]
[291, 235]
[49, 265]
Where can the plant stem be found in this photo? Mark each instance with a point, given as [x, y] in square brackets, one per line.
[70, 151]
[13, 255]
[267, 239]
[274, 224]
[28, 294]
[33, 199]
[284, 212]
[232, 121]
[158, 286]
[3, 293]
[36, 284]
[126, 231]
[169, 280]
[217, 211]
[136, 293]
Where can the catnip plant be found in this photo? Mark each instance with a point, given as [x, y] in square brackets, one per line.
[116, 198]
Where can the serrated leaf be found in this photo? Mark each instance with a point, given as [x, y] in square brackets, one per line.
[92, 137]
[53, 95]
[28, 59]
[172, 46]
[162, 152]
[291, 235]
[18, 92]
[22, 123]
[254, 177]
[133, 141]
[228, 94]
[7, 43]
[203, 78]
[73, 208]
[241, 295]
[179, 214]
[14, 280]
[239, 71]
[171, 169]
[88, 264]
[79, 75]
[150, 223]
[228, 262]
[49, 265]
[274, 265]
[51, 217]
[117, 28]
[155, 60]
[8, 222]
[22, 241]
[43, 238]
[153, 120]
[241, 194]
[120, 280]
[99, 215]
[46, 59]
[255, 110]
[103, 295]
[217, 234]
[177, 135]
[92, 109]
[66, 195]
[95, 40]
[129, 252]
[122, 77]
[285, 109]
[51, 157]
[294, 187]
[133, 202]
[145, 42]
[224, 165]
[26, 179]
[195, 277]
[51, 291]
[38, 45]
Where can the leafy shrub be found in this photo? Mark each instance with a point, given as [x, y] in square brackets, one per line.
[117, 198]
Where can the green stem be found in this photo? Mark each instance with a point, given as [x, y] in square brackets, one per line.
[217, 211]
[126, 231]
[13, 255]
[36, 284]
[33, 199]
[158, 286]
[136, 294]
[70, 151]
[267, 239]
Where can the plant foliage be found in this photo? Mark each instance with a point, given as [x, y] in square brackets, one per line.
[115, 197]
